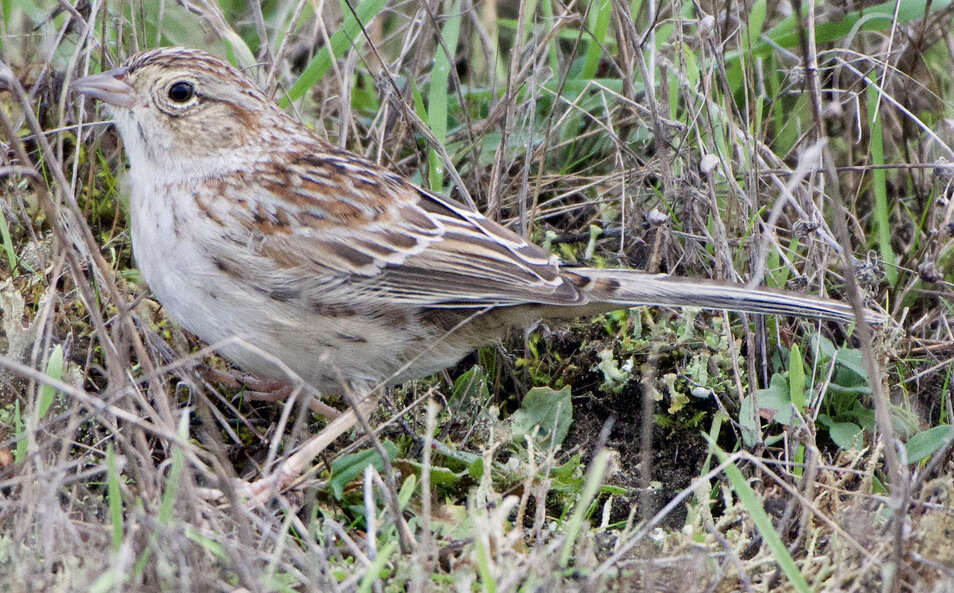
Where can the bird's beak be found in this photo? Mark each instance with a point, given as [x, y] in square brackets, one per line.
[109, 87]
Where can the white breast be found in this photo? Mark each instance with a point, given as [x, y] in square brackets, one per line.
[246, 325]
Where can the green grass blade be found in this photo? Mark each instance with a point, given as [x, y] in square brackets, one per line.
[210, 546]
[175, 473]
[553, 55]
[437, 95]
[108, 581]
[749, 35]
[593, 480]
[21, 449]
[879, 182]
[594, 49]
[876, 18]
[487, 581]
[54, 370]
[796, 378]
[341, 40]
[8, 244]
[114, 499]
[529, 7]
[796, 393]
[376, 567]
[762, 521]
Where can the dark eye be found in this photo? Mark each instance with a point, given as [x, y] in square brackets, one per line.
[181, 91]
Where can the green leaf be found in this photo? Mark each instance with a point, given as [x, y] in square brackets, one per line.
[776, 400]
[850, 373]
[798, 460]
[440, 476]
[850, 358]
[407, 490]
[748, 421]
[822, 347]
[927, 442]
[567, 477]
[545, 415]
[846, 435]
[418, 100]
[863, 415]
[205, 542]
[756, 20]
[471, 386]
[475, 469]
[54, 370]
[462, 458]
[348, 467]
[796, 378]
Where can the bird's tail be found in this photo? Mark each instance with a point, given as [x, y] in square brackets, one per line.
[632, 288]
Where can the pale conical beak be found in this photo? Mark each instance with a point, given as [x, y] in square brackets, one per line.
[109, 87]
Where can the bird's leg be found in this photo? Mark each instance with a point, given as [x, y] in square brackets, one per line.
[267, 390]
[258, 492]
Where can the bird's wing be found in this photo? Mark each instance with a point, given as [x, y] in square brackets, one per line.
[333, 221]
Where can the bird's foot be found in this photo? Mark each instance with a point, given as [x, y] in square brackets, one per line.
[269, 390]
[257, 493]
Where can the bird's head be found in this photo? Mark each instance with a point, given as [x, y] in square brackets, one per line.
[178, 107]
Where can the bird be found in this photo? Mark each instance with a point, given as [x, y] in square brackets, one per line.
[293, 256]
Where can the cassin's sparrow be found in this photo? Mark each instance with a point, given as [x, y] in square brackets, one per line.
[246, 224]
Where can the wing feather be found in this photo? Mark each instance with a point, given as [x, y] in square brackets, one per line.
[359, 231]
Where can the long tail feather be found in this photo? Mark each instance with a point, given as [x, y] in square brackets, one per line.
[632, 288]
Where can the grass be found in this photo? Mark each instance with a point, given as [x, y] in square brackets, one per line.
[579, 457]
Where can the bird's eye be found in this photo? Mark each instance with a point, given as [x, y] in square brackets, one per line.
[181, 91]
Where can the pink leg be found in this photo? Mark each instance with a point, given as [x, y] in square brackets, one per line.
[268, 390]
[258, 492]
